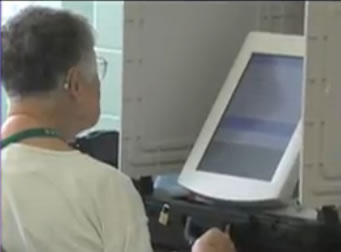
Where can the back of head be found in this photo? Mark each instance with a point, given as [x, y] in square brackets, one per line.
[39, 45]
[49, 68]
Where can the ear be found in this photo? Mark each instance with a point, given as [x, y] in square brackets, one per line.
[73, 82]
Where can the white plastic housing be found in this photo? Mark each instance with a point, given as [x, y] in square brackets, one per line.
[233, 188]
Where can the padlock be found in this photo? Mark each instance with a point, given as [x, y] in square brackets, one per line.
[164, 215]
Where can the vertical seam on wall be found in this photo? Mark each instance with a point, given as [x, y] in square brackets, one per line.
[94, 14]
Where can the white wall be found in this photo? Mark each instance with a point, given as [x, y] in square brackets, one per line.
[282, 16]
[321, 173]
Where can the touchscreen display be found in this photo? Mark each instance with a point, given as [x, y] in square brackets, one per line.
[259, 121]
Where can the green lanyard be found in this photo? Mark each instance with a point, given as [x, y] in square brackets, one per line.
[29, 133]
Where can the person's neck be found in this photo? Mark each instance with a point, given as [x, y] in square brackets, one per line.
[33, 114]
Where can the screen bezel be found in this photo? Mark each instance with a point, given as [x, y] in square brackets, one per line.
[233, 188]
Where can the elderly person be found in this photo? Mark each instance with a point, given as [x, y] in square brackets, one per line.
[61, 199]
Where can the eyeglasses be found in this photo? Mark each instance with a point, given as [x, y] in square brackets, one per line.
[102, 65]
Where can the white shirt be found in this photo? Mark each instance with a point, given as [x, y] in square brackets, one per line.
[67, 201]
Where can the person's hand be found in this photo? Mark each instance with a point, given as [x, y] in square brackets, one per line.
[214, 241]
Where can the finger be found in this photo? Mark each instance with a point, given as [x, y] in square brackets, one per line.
[215, 237]
[227, 229]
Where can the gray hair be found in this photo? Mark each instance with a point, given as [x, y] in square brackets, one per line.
[39, 46]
